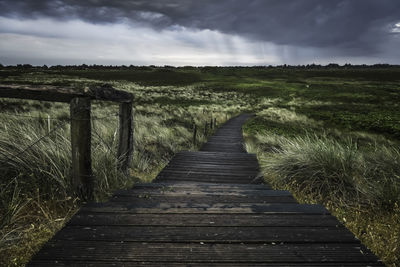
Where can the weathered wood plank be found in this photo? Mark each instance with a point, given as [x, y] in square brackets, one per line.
[177, 252]
[267, 208]
[207, 179]
[233, 173]
[255, 220]
[207, 166]
[216, 163]
[216, 180]
[217, 154]
[212, 234]
[195, 192]
[222, 158]
[196, 264]
[202, 186]
[63, 94]
[151, 198]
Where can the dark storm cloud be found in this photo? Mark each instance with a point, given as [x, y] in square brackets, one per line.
[356, 27]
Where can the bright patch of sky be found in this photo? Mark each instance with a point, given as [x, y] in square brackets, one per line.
[46, 41]
[396, 28]
[51, 42]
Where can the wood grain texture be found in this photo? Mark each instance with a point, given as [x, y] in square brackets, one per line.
[204, 209]
[63, 94]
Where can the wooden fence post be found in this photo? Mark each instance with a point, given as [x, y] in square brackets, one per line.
[194, 133]
[125, 145]
[205, 128]
[48, 124]
[82, 175]
[211, 123]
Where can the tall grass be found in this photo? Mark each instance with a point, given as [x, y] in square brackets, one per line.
[333, 170]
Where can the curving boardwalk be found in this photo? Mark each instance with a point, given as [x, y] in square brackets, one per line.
[206, 208]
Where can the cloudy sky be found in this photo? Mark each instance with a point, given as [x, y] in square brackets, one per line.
[199, 32]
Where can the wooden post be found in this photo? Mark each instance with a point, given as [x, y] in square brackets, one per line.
[125, 145]
[48, 124]
[215, 122]
[205, 128]
[82, 175]
[194, 133]
[211, 123]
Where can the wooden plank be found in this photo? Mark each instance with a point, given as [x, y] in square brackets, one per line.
[212, 166]
[229, 173]
[219, 154]
[151, 198]
[67, 262]
[219, 149]
[202, 192]
[213, 234]
[250, 164]
[264, 208]
[178, 252]
[82, 175]
[225, 144]
[208, 166]
[201, 186]
[219, 161]
[208, 179]
[223, 157]
[255, 220]
[200, 166]
[216, 180]
[220, 158]
[198, 193]
[63, 94]
[212, 171]
[219, 138]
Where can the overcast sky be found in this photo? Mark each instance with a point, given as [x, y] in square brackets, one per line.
[199, 32]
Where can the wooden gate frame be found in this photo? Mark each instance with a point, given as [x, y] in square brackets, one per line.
[80, 112]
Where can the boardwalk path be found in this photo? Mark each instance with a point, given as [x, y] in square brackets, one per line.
[205, 208]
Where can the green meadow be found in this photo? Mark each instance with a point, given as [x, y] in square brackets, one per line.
[330, 135]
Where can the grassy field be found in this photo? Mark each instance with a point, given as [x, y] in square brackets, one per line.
[329, 135]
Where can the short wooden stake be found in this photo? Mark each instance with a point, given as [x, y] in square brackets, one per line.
[194, 133]
[125, 145]
[82, 175]
[48, 123]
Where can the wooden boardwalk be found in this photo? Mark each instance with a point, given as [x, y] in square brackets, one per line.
[206, 208]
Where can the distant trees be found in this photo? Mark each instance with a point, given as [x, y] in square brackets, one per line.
[210, 69]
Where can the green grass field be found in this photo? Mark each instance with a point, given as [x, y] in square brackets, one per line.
[329, 135]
